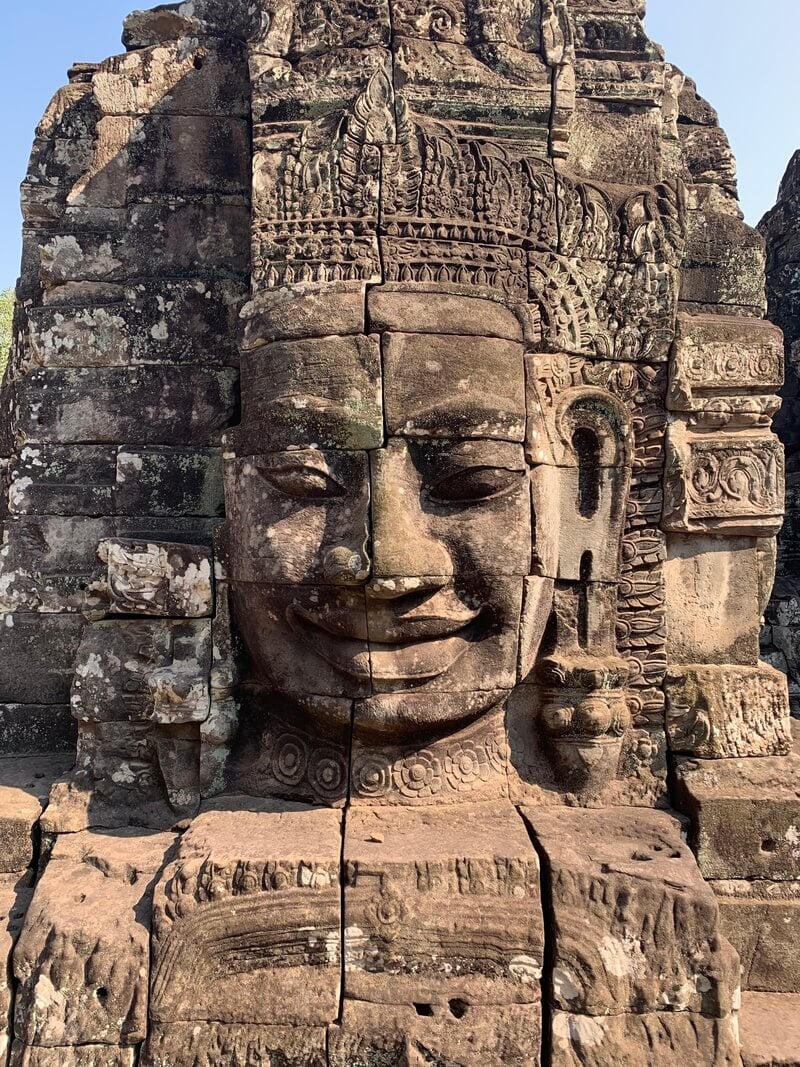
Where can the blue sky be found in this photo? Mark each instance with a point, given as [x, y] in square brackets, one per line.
[744, 57]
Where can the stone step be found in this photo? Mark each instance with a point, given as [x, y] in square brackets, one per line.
[745, 815]
[770, 1029]
[25, 783]
[761, 919]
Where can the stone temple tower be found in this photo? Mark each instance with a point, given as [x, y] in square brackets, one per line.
[389, 508]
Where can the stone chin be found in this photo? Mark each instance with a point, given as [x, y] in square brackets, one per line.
[389, 717]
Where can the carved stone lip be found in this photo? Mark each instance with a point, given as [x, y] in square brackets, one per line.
[381, 626]
[419, 658]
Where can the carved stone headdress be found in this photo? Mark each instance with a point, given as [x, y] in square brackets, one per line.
[377, 193]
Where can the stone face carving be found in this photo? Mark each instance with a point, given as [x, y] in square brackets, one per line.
[390, 501]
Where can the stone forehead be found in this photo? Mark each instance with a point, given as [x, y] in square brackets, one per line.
[308, 311]
[350, 391]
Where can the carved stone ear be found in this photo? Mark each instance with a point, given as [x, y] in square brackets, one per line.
[596, 444]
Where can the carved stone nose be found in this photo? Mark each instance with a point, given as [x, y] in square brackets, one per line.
[343, 566]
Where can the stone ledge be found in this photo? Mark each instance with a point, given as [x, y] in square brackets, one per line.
[761, 919]
[770, 1030]
[745, 815]
[24, 788]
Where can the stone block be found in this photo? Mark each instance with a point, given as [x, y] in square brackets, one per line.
[716, 712]
[590, 541]
[762, 922]
[247, 918]
[137, 670]
[745, 815]
[48, 563]
[167, 529]
[713, 600]
[457, 1033]
[323, 650]
[168, 580]
[169, 481]
[68, 480]
[724, 262]
[82, 959]
[183, 320]
[275, 534]
[468, 765]
[546, 484]
[421, 540]
[581, 746]
[658, 1039]
[15, 896]
[127, 406]
[38, 657]
[707, 154]
[380, 508]
[128, 774]
[161, 238]
[770, 1030]
[634, 926]
[24, 788]
[613, 144]
[728, 484]
[61, 258]
[145, 241]
[614, 34]
[72, 1056]
[186, 155]
[478, 88]
[715, 356]
[442, 907]
[305, 310]
[80, 293]
[208, 76]
[439, 386]
[161, 25]
[105, 183]
[399, 309]
[78, 337]
[323, 392]
[31, 728]
[214, 1044]
[473, 654]
[252, 751]
[311, 91]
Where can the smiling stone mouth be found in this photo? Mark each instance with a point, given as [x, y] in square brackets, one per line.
[415, 659]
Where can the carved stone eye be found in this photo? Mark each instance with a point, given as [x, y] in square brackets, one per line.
[303, 483]
[475, 484]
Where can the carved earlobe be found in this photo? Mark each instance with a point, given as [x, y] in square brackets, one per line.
[596, 443]
[585, 712]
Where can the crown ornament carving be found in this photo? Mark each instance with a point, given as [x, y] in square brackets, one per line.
[379, 193]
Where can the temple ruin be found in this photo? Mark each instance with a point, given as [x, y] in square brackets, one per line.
[390, 502]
